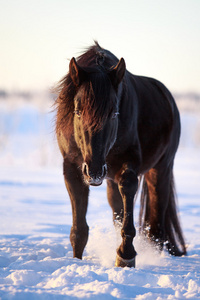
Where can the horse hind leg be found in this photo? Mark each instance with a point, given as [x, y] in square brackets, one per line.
[154, 201]
[115, 202]
[158, 215]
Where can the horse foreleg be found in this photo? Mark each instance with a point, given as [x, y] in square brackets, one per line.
[78, 193]
[128, 184]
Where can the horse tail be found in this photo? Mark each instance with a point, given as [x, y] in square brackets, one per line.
[172, 233]
[175, 242]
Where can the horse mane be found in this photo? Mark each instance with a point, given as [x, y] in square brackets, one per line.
[96, 62]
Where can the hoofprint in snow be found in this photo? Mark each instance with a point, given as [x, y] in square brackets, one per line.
[35, 253]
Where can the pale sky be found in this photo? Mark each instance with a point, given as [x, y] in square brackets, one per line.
[157, 38]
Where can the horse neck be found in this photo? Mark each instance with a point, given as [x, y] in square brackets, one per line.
[127, 95]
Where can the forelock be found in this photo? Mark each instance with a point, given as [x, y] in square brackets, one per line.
[97, 101]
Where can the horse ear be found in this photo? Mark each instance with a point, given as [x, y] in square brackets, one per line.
[75, 72]
[117, 73]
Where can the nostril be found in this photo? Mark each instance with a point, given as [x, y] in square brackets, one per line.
[85, 169]
[104, 170]
[94, 173]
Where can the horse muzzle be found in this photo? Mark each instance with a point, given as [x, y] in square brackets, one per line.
[94, 177]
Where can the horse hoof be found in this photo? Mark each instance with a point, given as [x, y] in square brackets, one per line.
[121, 262]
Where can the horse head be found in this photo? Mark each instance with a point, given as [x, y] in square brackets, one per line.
[96, 110]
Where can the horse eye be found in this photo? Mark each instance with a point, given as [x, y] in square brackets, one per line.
[115, 114]
[78, 113]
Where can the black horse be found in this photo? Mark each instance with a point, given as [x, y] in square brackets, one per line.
[124, 128]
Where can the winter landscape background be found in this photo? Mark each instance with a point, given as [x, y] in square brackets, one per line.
[35, 253]
[159, 39]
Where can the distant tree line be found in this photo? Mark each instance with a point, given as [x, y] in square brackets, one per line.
[189, 95]
[30, 95]
[23, 94]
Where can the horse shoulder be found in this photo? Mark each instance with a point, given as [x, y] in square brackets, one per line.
[68, 147]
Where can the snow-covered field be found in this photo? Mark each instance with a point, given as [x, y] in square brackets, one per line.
[35, 253]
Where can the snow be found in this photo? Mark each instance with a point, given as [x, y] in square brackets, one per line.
[36, 260]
